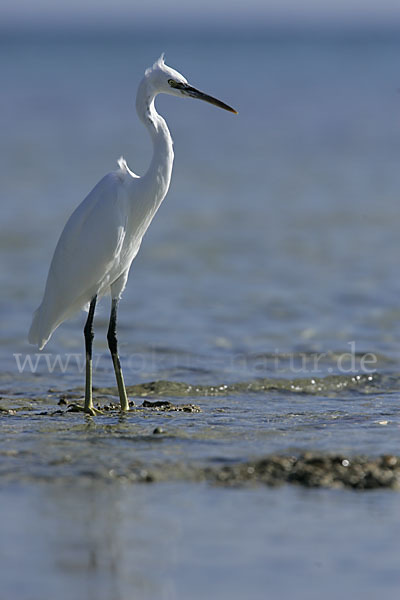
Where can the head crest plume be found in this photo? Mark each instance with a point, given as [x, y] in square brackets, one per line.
[159, 63]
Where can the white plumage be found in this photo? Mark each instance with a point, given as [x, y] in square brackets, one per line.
[93, 254]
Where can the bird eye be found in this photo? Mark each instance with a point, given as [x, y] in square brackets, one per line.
[172, 83]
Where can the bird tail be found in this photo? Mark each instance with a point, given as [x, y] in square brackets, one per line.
[36, 334]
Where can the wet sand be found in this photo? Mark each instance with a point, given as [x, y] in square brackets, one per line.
[161, 427]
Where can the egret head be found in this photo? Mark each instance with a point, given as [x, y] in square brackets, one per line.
[165, 80]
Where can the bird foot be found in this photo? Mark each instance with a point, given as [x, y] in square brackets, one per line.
[88, 411]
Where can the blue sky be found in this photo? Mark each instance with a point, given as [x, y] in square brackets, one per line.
[24, 13]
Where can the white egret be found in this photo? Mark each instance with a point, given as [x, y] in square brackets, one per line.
[104, 233]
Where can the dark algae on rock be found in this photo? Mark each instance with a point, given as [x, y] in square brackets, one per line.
[315, 470]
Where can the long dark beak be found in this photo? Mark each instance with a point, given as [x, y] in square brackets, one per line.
[187, 90]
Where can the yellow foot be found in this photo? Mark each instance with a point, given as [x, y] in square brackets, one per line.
[88, 411]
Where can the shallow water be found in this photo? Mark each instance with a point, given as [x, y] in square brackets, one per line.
[179, 541]
[265, 293]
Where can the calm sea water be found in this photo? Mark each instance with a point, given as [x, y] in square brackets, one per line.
[274, 255]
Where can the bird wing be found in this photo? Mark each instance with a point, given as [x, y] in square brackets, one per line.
[86, 259]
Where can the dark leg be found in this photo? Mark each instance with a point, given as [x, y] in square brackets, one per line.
[89, 335]
[112, 344]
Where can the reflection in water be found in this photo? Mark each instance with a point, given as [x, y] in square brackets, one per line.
[101, 541]
[97, 556]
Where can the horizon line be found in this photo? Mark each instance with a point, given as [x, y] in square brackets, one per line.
[315, 27]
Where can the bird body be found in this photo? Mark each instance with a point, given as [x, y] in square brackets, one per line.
[96, 248]
[104, 233]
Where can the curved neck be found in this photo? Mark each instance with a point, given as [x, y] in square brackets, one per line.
[158, 175]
